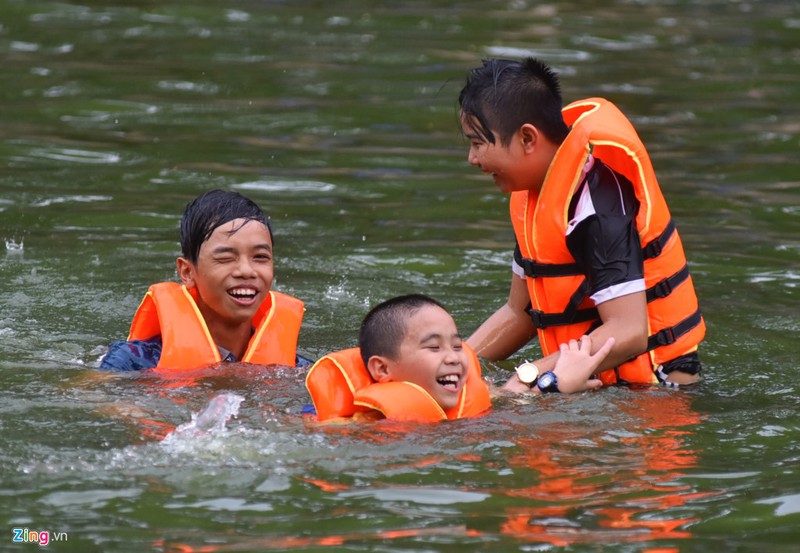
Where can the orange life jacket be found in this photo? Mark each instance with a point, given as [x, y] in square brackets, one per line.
[558, 290]
[170, 310]
[341, 386]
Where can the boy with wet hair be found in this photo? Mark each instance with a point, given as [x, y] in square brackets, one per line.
[225, 308]
[212, 209]
[597, 252]
[414, 339]
[412, 364]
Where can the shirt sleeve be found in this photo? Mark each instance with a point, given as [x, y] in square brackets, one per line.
[602, 235]
[516, 268]
[135, 355]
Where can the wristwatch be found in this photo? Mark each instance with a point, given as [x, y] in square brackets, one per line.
[528, 373]
[548, 382]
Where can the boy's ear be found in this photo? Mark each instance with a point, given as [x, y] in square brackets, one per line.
[185, 271]
[529, 136]
[378, 368]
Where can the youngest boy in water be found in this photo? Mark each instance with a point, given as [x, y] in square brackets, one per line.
[411, 364]
[414, 339]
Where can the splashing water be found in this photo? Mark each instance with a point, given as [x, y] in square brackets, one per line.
[212, 419]
[13, 246]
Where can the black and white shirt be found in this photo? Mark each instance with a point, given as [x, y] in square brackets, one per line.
[602, 235]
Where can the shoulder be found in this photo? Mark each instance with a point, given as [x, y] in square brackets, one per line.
[610, 191]
[603, 192]
[133, 355]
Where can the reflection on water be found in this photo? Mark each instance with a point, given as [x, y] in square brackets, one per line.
[641, 462]
[340, 120]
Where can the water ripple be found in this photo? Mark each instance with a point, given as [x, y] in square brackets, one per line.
[68, 199]
[560, 55]
[76, 156]
[786, 504]
[278, 185]
[628, 43]
[189, 86]
[418, 494]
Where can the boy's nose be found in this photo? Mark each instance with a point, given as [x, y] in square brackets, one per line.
[452, 357]
[245, 268]
[472, 158]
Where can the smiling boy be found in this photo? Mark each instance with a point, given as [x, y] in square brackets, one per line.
[597, 252]
[412, 364]
[225, 308]
[414, 339]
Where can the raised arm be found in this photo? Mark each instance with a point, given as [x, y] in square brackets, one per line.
[507, 329]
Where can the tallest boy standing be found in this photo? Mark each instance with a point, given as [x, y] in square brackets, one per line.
[597, 252]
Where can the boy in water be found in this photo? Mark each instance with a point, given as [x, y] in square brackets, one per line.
[411, 364]
[597, 252]
[225, 308]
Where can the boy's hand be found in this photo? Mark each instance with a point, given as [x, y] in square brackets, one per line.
[576, 365]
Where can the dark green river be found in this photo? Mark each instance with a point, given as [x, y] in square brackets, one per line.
[340, 119]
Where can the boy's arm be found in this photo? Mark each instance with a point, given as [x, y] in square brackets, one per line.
[507, 329]
[625, 319]
[135, 355]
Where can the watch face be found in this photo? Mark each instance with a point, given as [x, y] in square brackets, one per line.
[527, 372]
[546, 381]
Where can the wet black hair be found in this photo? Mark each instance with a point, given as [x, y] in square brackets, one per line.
[384, 327]
[506, 94]
[210, 210]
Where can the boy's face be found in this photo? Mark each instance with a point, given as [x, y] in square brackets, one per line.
[233, 273]
[431, 356]
[508, 165]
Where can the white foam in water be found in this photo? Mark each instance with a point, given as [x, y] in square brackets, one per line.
[276, 185]
[13, 246]
[210, 420]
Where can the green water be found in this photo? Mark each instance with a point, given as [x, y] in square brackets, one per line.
[340, 119]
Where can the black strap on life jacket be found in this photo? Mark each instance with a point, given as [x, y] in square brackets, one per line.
[653, 249]
[664, 288]
[571, 313]
[670, 335]
[535, 269]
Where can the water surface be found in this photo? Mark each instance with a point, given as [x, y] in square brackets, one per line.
[340, 119]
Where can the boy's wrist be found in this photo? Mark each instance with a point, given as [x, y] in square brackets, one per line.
[548, 383]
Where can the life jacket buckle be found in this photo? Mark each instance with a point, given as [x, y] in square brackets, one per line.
[528, 267]
[537, 318]
[664, 337]
[653, 249]
[662, 289]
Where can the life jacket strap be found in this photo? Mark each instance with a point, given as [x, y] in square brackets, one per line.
[571, 313]
[653, 249]
[663, 288]
[541, 319]
[669, 335]
[534, 269]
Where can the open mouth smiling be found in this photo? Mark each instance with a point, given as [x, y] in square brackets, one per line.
[449, 381]
[243, 294]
